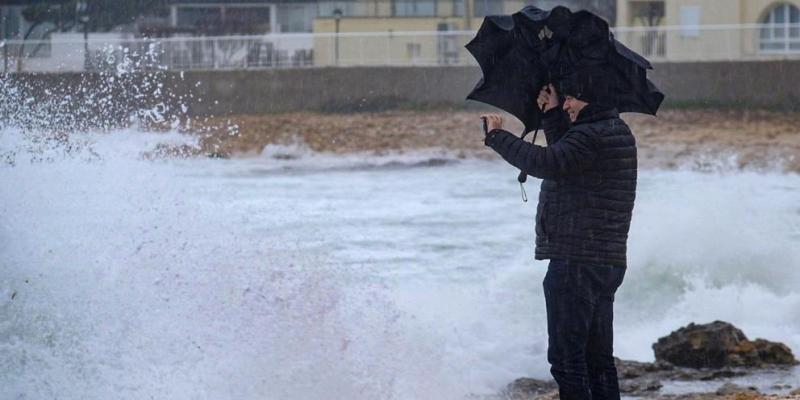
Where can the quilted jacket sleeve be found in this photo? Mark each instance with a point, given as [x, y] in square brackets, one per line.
[575, 151]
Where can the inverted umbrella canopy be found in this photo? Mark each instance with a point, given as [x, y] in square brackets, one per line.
[521, 53]
[507, 62]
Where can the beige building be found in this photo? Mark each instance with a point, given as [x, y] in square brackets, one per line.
[710, 30]
[409, 32]
[380, 31]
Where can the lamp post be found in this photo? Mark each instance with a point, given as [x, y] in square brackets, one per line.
[337, 16]
[82, 12]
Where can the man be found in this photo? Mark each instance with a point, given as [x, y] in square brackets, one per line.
[589, 169]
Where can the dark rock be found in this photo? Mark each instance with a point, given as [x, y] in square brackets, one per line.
[662, 370]
[779, 386]
[795, 392]
[691, 374]
[527, 388]
[710, 375]
[774, 353]
[627, 369]
[718, 345]
[688, 396]
[639, 387]
[732, 388]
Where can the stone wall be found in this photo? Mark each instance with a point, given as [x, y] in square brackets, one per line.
[758, 84]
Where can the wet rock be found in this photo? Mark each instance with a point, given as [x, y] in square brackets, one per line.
[719, 345]
[710, 375]
[662, 370]
[639, 387]
[795, 392]
[780, 386]
[627, 369]
[732, 388]
[529, 388]
[774, 353]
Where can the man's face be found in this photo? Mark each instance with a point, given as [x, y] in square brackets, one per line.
[573, 106]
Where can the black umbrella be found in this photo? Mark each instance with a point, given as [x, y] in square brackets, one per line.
[521, 53]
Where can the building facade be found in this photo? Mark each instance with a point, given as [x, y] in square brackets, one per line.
[222, 34]
[676, 30]
[417, 31]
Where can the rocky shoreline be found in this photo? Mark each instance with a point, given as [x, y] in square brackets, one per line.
[697, 139]
[713, 353]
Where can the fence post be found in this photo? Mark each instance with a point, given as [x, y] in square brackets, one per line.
[361, 50]
[5, 57]
[331, 50]
[388, 48]
[214, 54]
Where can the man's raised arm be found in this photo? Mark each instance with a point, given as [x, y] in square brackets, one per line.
[573, 153]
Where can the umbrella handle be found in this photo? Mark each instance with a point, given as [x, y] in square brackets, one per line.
[523, 177]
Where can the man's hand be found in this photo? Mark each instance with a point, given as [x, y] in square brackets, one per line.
[493, 121]
[548, 98]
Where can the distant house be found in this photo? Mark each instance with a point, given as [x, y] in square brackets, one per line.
[678, 30]
[213, 34]
[264, 16]
[438, 16]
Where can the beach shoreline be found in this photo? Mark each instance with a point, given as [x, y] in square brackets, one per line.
[697, 139]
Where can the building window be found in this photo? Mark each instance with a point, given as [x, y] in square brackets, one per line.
[199, 16]
[458, 8]
[296, 17]
[413, 50]
[11, 22]
[414, 8]
[224, 20]
[247, 20]
[483, 8]
[780, 31]
[652, 40]
[690, 21]
[346, 7]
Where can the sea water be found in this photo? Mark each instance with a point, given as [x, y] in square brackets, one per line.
[296, 275]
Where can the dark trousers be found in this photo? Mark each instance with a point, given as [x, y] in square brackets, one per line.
[580, 315]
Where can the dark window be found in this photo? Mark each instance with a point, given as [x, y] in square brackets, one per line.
[11, 19]
[458, 8]
[647, 13]
[296, 17]
[327, 8]
[488, 7]
[199, 16]
[247, 20]
[414, 8]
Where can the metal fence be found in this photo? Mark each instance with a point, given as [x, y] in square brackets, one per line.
[75, 53]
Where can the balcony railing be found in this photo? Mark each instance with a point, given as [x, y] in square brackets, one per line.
[297, 50]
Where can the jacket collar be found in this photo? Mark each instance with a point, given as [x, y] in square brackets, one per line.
[594, 112]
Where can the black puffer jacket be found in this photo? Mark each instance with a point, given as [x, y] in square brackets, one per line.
[589, 172]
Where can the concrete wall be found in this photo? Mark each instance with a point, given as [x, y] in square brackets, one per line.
[763, 84]
[349, 89]
[758, 84]
[767, 84]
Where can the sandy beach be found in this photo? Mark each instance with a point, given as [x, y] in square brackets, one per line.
[697, 139]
